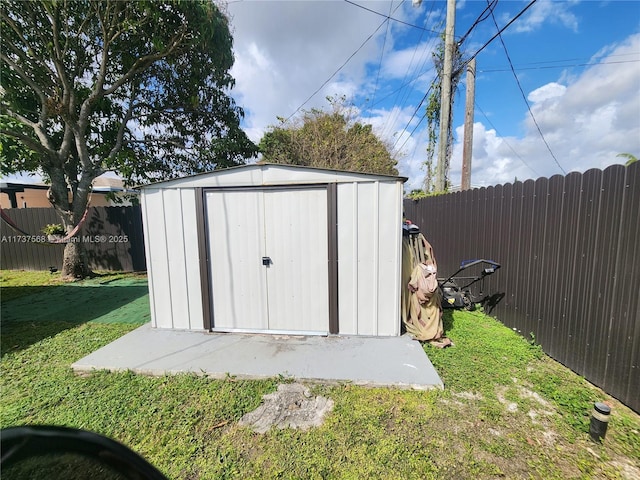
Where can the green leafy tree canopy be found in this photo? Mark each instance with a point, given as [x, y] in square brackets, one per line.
[328, 139]
[138, 88]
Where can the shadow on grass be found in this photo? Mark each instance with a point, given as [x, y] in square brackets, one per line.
[447, 319]
[488, 304]
[40, 312]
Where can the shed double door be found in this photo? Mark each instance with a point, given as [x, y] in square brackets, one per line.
[268, 252]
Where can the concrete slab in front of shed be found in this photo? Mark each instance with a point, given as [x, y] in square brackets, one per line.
[373, 361]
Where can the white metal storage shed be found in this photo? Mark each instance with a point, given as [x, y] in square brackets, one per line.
[271, 248]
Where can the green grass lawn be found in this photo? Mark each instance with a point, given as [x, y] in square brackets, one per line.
[508, 410]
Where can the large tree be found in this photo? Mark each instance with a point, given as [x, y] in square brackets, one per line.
[139, 88]
[328, 139]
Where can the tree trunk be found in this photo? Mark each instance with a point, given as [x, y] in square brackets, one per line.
[74, 263]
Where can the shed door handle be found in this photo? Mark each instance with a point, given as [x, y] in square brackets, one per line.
[266, 261]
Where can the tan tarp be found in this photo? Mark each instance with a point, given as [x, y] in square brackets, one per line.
[421, 310]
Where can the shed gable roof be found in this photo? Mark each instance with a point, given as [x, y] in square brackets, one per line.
[264, 174]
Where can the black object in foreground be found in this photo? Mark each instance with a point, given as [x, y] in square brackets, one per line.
[46, 452]
[456, 291]
[599, 421]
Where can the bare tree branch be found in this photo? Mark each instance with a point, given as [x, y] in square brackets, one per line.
[36, 89]
[58, 61]
[37, 128]
[123, 126]
[26, 139]
[33, 57]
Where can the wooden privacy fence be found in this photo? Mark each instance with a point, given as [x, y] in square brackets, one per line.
[570, 254]
[112, 236]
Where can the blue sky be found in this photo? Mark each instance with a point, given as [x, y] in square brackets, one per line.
[578, 63]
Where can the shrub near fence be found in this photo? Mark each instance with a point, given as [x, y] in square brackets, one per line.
[570, 254]
[112, 236]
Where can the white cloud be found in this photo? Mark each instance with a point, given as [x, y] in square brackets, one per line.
[414, 58]
[550, 11]
[551, 90]
[586, 123]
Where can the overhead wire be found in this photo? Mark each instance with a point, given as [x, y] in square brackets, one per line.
[480, 18]
[524, 97]
[488, 42]
[483, 16]
[412, 117]
[401, 100]
[546, 67]
[388, 17]
[505, 141]
[336, 72]
[384, 44]
[344, 64]
[490, 7]
[397, 90]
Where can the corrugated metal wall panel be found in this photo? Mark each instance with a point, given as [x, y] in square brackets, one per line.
[366, 258]
[600, 302]
[622, 360]
[538, 258]
[493, 234]
[192, 258]
[157, 260]
[571, 264]
[347, 252]
[290, 227]
[567, 262]
[144, 205]
[368, 248]
[176, 259]
[527, 280]
[235, 225]
[369, 242]
[19, 254]
[552, 273]
[588, 264]
[389, 251]
[507, 272]
[297, 243]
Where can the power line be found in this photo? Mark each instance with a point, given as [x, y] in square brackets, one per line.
[401, 100]
[505, 141]
[412, 117]
[496, 35]
[524, 97]
[490, 7]
[480, 18]
[397, 90]
[399, 149]
[388, 17]
[384, 44]
[546, 67]
[336, 72]
[483, 16]
[579, 59]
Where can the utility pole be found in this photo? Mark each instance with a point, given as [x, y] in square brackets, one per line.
[445, 95]
[467, 146]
